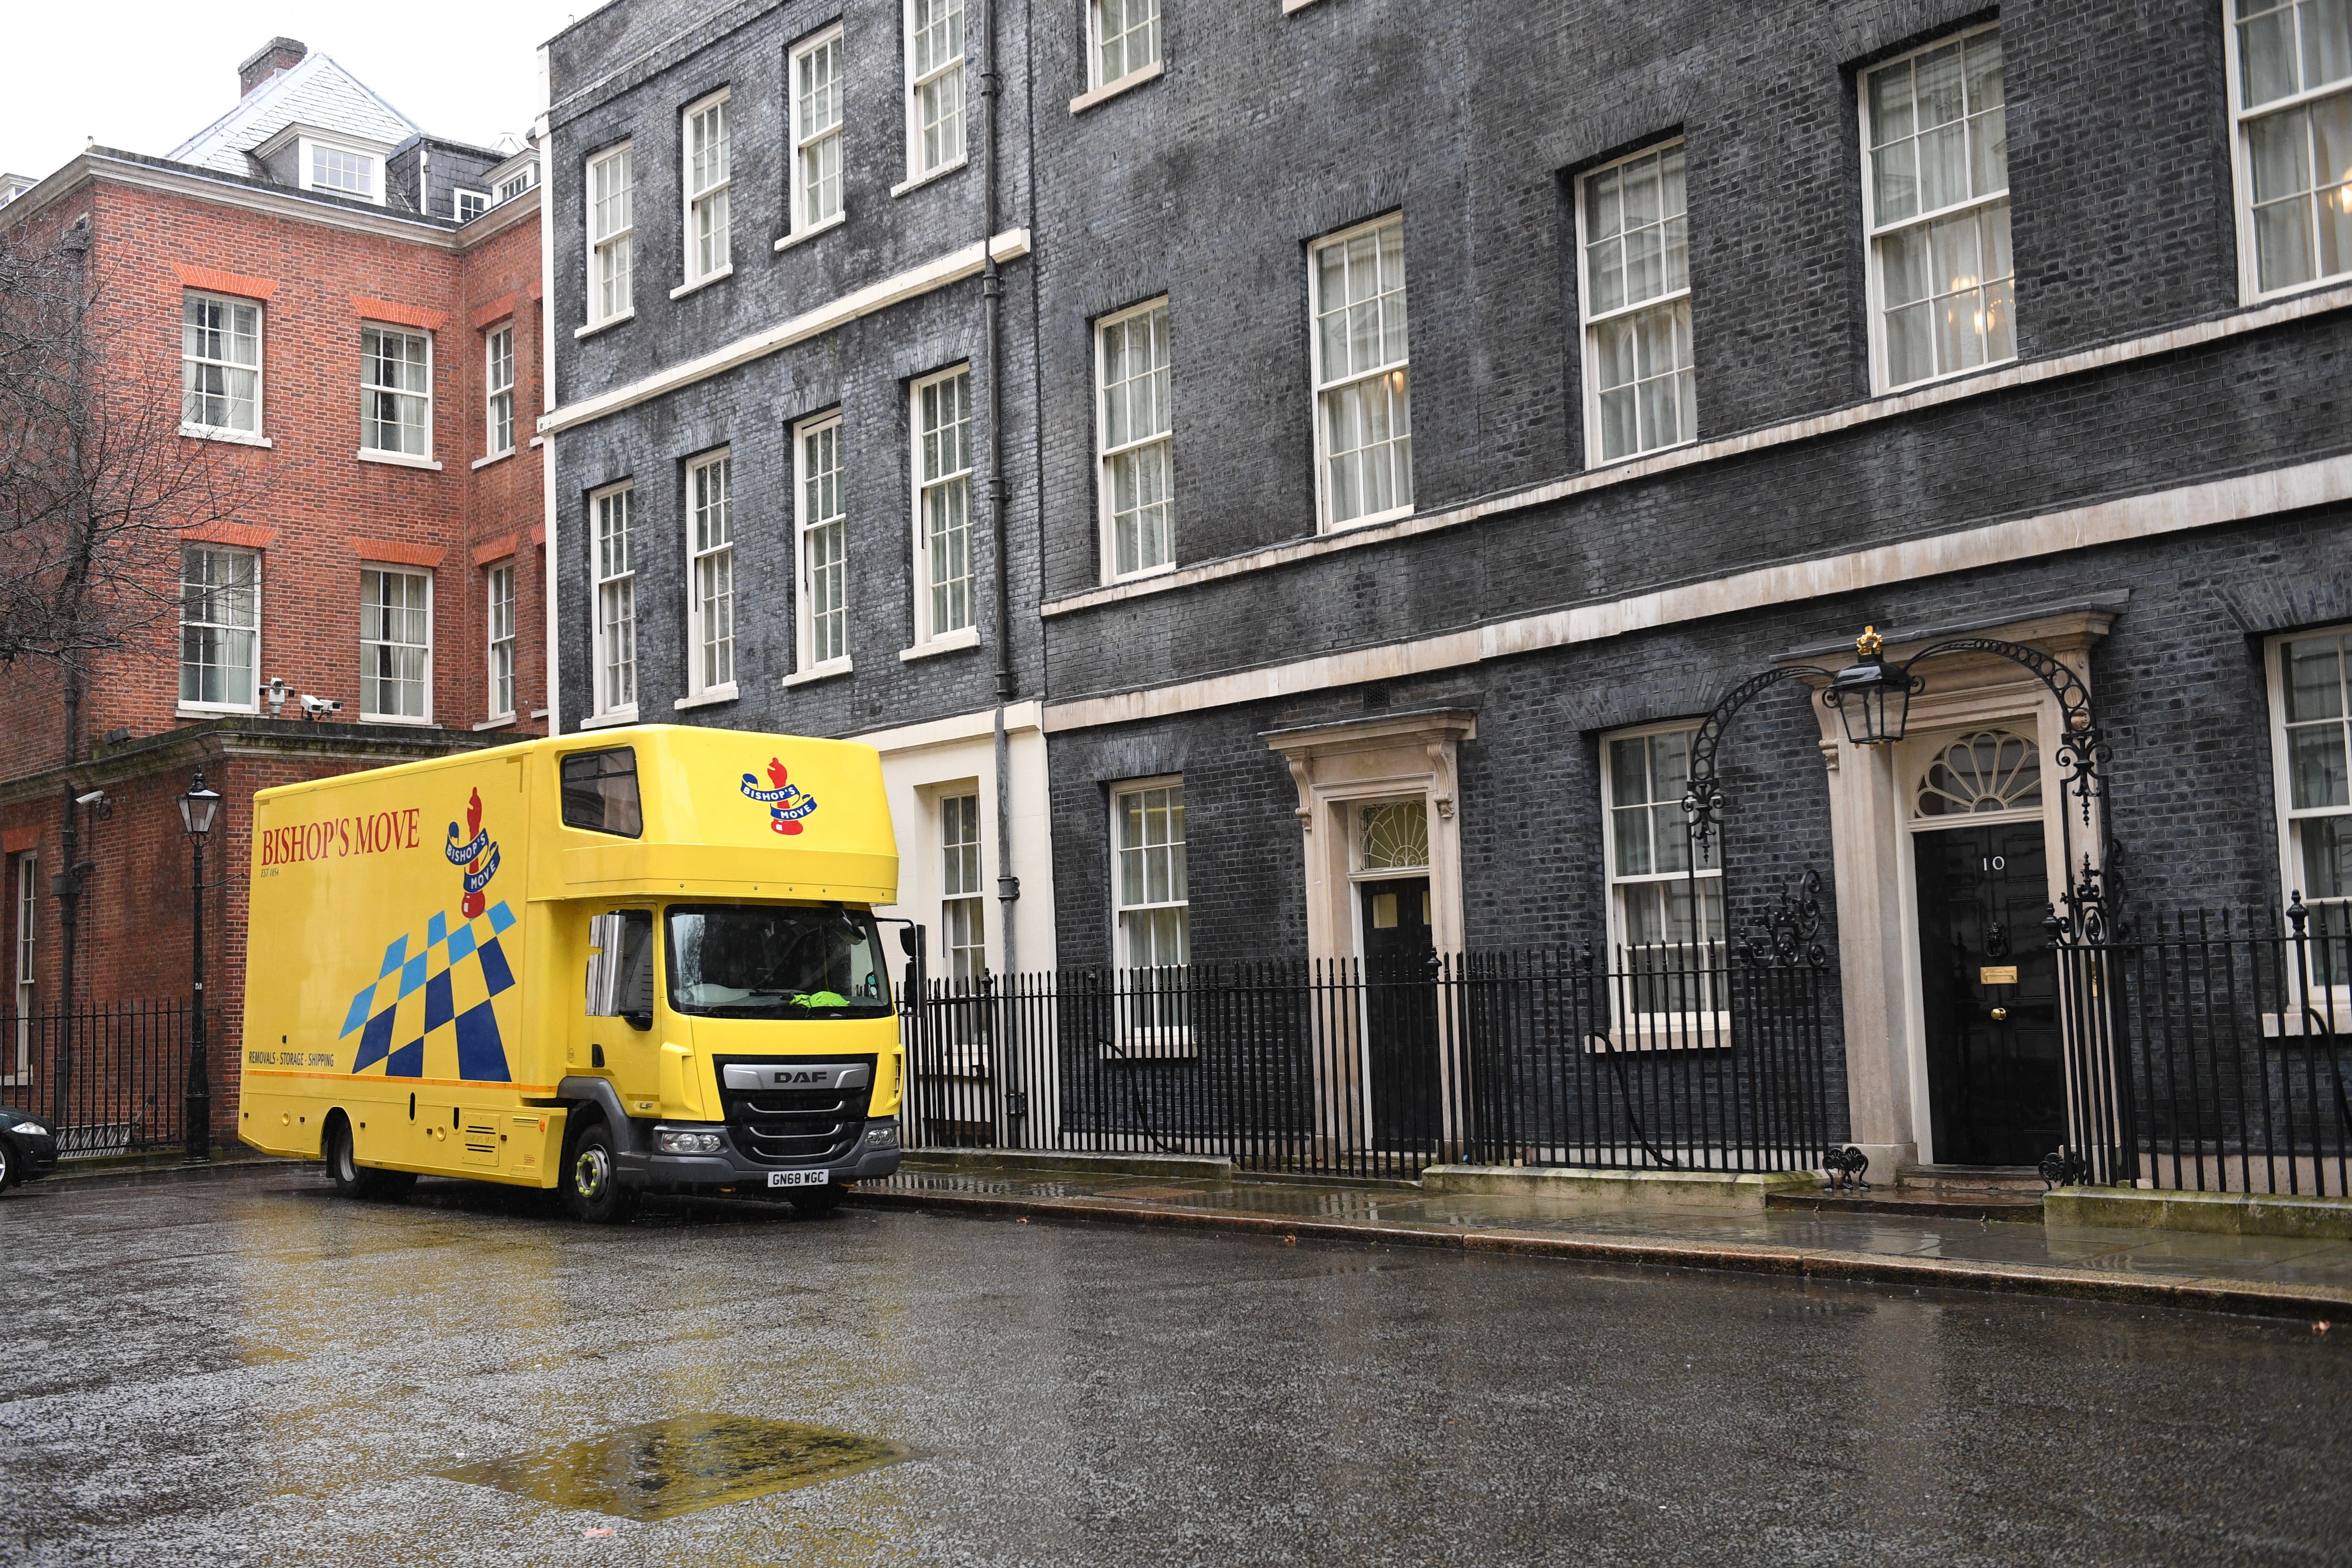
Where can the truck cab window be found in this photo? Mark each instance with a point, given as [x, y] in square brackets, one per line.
[600, 792]
[776, 961]
[621, 967]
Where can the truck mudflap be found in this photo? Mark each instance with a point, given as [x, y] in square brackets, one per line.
[641, 1167]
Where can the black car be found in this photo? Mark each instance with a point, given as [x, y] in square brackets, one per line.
[28, 1149]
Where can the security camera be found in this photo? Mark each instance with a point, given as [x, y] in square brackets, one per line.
[93, 798]
[319, 707]
[275, 694]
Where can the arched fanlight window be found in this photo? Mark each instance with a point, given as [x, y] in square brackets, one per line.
[1396, 837]
[1993, 770]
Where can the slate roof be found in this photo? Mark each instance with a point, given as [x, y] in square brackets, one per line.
[317, 92]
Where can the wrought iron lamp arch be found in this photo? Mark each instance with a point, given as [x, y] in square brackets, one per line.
[1873, 696]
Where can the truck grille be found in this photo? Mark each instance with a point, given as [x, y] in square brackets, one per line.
[798, 1126]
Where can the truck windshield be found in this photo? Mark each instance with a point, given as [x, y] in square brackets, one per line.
[773, 961]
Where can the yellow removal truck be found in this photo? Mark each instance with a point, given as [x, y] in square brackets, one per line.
[636, 960]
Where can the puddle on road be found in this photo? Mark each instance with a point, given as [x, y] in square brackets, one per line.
[660, 1469]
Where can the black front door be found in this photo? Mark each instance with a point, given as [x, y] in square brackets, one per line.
[1400, 1013]
[1989, 986]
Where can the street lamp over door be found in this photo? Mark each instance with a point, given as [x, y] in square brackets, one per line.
[198, 808]
[1872, 697]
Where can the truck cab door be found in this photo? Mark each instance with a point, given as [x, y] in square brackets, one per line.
[620, 1006]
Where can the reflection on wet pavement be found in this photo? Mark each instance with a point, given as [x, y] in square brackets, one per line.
[2172, 1255]
[660, 1469]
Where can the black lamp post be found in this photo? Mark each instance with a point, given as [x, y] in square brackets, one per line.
[198, 807]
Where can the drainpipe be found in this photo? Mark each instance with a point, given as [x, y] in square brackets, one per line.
[992, 297]
[552, 623]
[67, 880]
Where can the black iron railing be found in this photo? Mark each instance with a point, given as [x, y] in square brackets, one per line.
[1666, 1057]
[113, 1078]
[2209, 1051]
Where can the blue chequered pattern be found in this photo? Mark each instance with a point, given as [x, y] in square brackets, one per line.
[436, 1001]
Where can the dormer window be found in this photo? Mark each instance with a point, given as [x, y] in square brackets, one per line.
[340, 169]
[472, 205]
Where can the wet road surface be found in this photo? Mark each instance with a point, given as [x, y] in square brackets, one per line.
[246, 1370]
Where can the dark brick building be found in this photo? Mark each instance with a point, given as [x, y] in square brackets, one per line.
[1410, 422]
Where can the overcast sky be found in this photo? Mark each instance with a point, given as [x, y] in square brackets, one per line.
[462, 68]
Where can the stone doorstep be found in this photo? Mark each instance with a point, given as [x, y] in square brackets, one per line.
[1033, 1161]
[1745, 1191]
[2213, 1213]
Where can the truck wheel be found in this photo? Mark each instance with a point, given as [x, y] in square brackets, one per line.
[591, 1179]
[815, 1202]
[354, 1180]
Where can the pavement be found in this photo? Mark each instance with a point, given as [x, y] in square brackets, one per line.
[243, 1369]
[2273, 1276]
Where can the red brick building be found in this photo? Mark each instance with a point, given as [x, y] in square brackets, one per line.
[351, 311]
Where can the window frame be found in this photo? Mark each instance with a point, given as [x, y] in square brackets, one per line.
[1121, 791]
[917, 169]
[495, 395]
[719, 194]
[1319, 387]
[1096, 80]
[976, 897]
[805, 616]
[2293, 876]
[2241, 171]
[306, 150]
[825, 38]
[400, 569]
[259, 367]
[1106, 524]
[394, 453]
[493, 642]
[252, 704]
[1595, 453]
[699, 644]
[457, 203]
[1882, 381]
[926, 633]
[622, 493]
[1676, 1029]
[620, 241]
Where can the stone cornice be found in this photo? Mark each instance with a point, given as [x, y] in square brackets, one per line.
[211, 185]
[359, 745]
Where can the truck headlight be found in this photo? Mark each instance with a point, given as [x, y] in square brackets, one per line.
[687, 1142]
[882, 1135]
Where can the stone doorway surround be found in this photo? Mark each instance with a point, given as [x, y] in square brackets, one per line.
[1387, 756]
[1869, 821]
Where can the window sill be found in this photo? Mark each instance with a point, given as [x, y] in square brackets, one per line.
[616, 718]
[1161, 570]
[215, 433]
[1111, 90]
[539, 440]
[593, 328]
[214, 710]
[1594, 463]
[1909, 387]
[717, 694]
[481, 463]
[816, 672]
[801, 236]
[1644, 1032]
[539, 713]
[946, 642]
[397, 460]
[494, 723]
[1369, 520]
[683, 289]
[915, 182]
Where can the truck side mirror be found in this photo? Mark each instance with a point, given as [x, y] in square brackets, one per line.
[911, 939]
